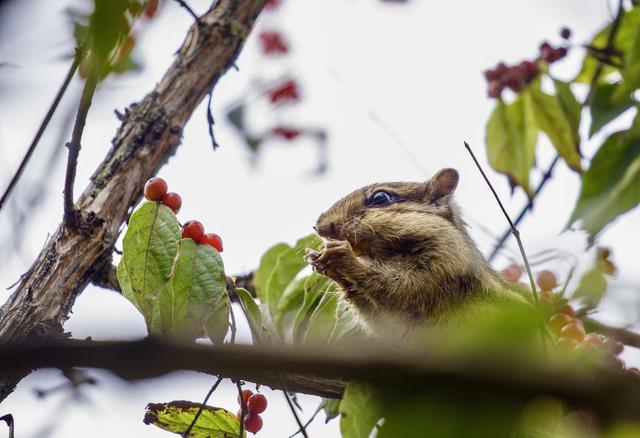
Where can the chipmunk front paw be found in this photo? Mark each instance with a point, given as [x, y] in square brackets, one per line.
[337, 261]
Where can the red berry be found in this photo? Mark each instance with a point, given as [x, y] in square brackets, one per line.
[546, 297]
[273, 43]
[495, 89]
[558, 321]
[573, 330]
[212, 239]
[546, 280]
[246, 394]
[173, 201]
[568, 310]
[565, 33]
[253, 423]
[512, 272]
[155, 189]
[257, 403]
[286, 133]
[151, 8]
[193, 230]
[287, 91]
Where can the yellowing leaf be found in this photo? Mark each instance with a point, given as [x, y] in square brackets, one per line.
[511, 136]
[176, 416]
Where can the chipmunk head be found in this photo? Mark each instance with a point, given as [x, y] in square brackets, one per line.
[394, 217]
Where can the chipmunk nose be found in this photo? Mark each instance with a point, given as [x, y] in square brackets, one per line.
[329, 231]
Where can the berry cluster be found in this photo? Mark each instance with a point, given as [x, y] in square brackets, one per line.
[563, 320]
[517, 76]
[156, 190]
[255, 404]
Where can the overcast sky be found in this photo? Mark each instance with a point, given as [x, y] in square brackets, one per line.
[396, 87]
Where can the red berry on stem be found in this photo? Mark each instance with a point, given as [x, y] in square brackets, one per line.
[173, 201]
[193, 230]
[257, 403]
[574, 331]
[253, 423]
[546, 280]
[558, 321]
[155, 189]
[246, 394]
[212, 239]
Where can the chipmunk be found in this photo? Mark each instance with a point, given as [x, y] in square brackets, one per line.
[402, 257]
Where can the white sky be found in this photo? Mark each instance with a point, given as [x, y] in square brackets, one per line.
[417, 66]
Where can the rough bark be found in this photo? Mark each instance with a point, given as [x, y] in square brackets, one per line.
[150, 133]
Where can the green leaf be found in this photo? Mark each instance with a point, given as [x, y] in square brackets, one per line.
[607, 105]
[559, 119]
[331, 407]
[359, 411]
[194, 294]
[611, 185]
[322, 321]
[511, 136]
[623, 44]
[592, 287]
[265, 269]
[288, 264]
[254, 314]
[347, 327]
[217, 325]
[315, 287]
[290, 303]
[149, 249]
[107, 28]
[176, 416]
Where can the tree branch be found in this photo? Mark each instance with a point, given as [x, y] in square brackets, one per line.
[611, 393]
[150, 133]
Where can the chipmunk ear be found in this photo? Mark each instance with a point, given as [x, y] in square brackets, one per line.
[441, 186]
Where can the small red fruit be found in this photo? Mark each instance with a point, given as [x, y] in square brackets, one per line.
[193, 230]
[559, 320]
[257, 403]
[253, 423]
[212, 239]
[546, 280]
[173, 201]
[155, 189]
[574, 331]
[246, 395]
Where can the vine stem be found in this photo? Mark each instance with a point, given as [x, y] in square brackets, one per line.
[201, 408]
[43, 126]
[74, 145]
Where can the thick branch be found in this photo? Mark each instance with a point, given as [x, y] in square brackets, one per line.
[612, 394]
[150, 133]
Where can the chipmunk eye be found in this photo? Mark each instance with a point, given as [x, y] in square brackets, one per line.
[381, 198]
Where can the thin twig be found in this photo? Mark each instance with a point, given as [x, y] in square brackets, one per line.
[514, 230]
[183, 4]
[8, 418]
[211, 122]
[202, 406]
[285, 392]
[309, 421]
[41, 129]
[243, 406]
[74, 145]
[545, 178]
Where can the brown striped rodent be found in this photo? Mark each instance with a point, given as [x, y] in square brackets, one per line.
[401, 255]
